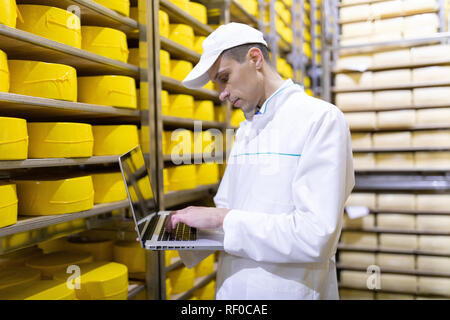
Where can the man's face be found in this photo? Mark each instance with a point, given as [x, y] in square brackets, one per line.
[237, 82]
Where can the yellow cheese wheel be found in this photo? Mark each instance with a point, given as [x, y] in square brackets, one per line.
[349, 294]
[438, 244]
[179, 142]
[60, 140]
[362, 199]
[434, 285]
[114, 139]
[115, 91]
[179, 69]
[50, 22]
[101, 250]
[49, 197]
[181, 279]
[4, 72]
[204, 110]
[164, 26]
[391, 58]
[392, 98]
[13, 139]
[363, 222]
[207, 173]
[393, 296]
[165, 103]
[204, 143]
[181, 105]
[107, 42]
[99, 280]
[144, 97]
[120, 6]
[133, 56]
[396, 119]
[237, 116]
[251, 6]
[392, 139]
[433, 264]
[42, 79]
[355, 62]
[52, 263]
[433, 202]
[431, 138]
[361, 120]
[198, 44]
[39, 290]
[401, 201]
[207, 292]
[198, 11]
[109, 187]
[353, 80]
[164, 60]
[14, 276]
[182, 4]
[131, 254]
[432, 159]
[9, 13]
[182, 34]
[19, 257]
[8, 205]
[354, 279]
[182, 177]
[363, 161]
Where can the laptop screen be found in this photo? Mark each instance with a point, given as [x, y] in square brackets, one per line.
[140, 192]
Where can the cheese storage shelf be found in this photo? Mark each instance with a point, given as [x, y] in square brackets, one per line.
[239, 14]
[190, 123]
[412, 128]
[402, 170]
[392, 16]
[375, 150]
[177, 264]
[199, 283]
[411, 212]
[396, 271]
[178, 51]
[343, 5]
[60, 162]
[391, 292]
[174, 198]
[396, 108]
[398, 66]
[134, 289]
[402, 180]
[17, 105]
[394, 231]
[176, 86]
[92, 14]
[397, 87]
[343, 247]
[179, 16]
[20, 44]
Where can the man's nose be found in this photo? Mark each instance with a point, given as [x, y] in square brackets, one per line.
[224, 94]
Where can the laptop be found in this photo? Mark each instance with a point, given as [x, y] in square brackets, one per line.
[150, 221]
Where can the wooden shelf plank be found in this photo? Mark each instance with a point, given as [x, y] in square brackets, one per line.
[409, 149]
[396, 231]
[398, 15]
[415, 107]
[344, 247]
[398, 66]
[56, 162]
[413, 128]
[174, 198]
[396, 271]
[191, 123]
[239, 14]
[175, 86]
[397, 87]
[178, 51]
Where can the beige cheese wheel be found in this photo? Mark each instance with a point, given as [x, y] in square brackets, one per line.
[359, 239]
[357, 29]
[396, 119]
[390, 160]
[355, 62]
[398, 241]
[346, 41]
[419, 6]
[363, 161]
[361, 120]
[433, 264]
[385, 26]
[354, 279]
[391, 58]
[393, 296]
[433, 202]
[392, 139]
[363, 222]
[427, 54]
[387, 9]
[353, 13]
[431, 138]
[354, 100]
[396, 261]
[392, 77]
[383, 37]
[349, 294]
[396, 221]
[394, 201]
[433, 223]
[362, 199]
[353, 80]
[430, 97]
[436, 244]
[431, 74]
[398, 283]
[432, 159]
[434, 285]
[357, 259]
[419, 32]
[422, 20]
[361, 140]
[434, 116]
[392, 98]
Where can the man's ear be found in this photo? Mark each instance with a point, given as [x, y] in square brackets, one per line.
[255, 55]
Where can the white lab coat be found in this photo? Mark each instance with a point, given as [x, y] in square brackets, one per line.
[288, 176]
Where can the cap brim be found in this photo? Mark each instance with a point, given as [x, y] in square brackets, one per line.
[199, 77]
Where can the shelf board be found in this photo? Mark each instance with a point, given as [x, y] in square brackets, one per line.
[175, 265]
[134, 289]
[390, 150]
[199, 283]
[398, 15]
[402, 170]
[411, 212]
[415, 293]
[191, 123]
[55, 162]
[92, 14]
[397, 87]
[37, 222]
[174, 198]
[175, 86]
[395, 108]
[22, 106]
[20, 44]
[177, 15]
[344, 247]
[396, 271]
[398, 66]
[178, 51]
[396, 231]
[239, 14]
[398, 180]
[193, 158]
[413, 128]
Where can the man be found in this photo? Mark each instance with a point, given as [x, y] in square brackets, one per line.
[290, 171]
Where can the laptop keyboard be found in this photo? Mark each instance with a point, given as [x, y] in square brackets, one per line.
[182, 233]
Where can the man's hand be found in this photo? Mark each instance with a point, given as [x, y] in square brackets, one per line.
[197, 217]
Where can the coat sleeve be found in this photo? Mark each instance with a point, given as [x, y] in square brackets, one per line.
[322, 181]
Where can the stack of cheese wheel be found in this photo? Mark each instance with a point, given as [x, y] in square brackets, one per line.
[198, 11]
[8, 15]
[181, 279]
[100, 281]
[101, 250]
[131, 254]
[114, 139]
[8, 204]
[182, 177]
[13, 139]
[107, 42]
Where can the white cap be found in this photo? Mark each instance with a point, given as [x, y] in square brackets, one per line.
[225, 37]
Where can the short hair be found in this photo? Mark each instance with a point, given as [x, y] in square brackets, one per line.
[239, 53]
